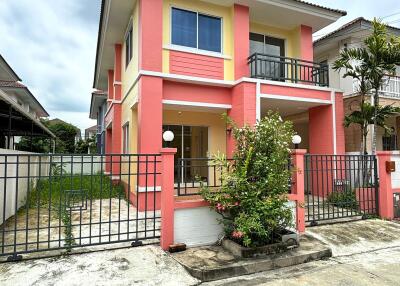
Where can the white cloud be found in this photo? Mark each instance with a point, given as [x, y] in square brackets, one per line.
[52, 46]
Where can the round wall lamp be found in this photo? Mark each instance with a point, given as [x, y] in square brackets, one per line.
[296, 140]
[168, 136]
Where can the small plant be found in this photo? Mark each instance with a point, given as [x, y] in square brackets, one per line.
[344, 199]
[66, 219]
[56, 169]
[252, 199]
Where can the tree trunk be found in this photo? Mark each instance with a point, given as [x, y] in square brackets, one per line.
[374, 130]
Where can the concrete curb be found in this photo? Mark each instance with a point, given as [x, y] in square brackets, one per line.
[209, 271]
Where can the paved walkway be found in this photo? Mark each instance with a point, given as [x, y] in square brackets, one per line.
[381, 267]
[147, 265]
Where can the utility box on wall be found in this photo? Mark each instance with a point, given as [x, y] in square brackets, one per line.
[396, 205]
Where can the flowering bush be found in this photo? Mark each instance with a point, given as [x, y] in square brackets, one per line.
[253, 194]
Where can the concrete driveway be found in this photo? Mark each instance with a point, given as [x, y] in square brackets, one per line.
[147, 265]
[365, 253]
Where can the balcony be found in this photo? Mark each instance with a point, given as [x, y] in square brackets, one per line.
[286, 69]
[390, 88]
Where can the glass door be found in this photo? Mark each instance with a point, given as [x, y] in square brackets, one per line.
[191, 143]
[271, 64]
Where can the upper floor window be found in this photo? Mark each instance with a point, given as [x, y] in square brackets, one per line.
[196, 30]
[128, 45]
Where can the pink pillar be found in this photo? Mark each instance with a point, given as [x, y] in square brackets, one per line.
[110, 88]
[339, 112]
[167, 197]
[306, 52]
[298, 187]
[150, 35]
[241, 29]
[385, 192]
[117, 110]
[243, 109]
[306, 43]
[150, 114]
[321, 130]
[108, 150]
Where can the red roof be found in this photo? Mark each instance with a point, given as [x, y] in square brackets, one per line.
[16, 84]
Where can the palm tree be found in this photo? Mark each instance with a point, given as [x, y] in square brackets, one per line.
[366, 116]
[370, 65]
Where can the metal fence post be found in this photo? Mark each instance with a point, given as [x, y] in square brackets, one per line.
[167, 197]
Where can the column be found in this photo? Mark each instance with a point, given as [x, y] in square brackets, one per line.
[385, 192]
[167, 197]
[241, 30]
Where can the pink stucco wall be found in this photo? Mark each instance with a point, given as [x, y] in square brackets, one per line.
[196, 65]
[196, 93]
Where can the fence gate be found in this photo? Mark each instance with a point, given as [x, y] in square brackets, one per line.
[340, 187]
[60, 202]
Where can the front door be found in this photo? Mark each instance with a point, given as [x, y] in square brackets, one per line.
[191, 143]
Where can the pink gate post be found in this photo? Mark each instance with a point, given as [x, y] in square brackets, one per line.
[167, 197]
[297, 191]
[385, 192]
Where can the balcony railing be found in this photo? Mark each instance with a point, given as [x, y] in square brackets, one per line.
[288, 69]
[390, 88]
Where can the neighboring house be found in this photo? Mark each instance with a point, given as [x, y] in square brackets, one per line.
[78, 135]
[91, 132]
[20, 111]
[180, 65]
[98, 108]
[327, 49]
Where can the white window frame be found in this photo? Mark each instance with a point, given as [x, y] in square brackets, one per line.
[125, 136]
[128, 29]
[197, 31]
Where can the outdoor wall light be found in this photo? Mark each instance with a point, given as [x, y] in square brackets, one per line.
[296, 140]
[168, 136]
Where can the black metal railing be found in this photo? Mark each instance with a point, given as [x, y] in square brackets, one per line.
[286, 69]
[340, 186]
[191, 173]
[60, 202]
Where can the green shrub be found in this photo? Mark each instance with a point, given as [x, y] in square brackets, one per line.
[252, 198]
[344, 199]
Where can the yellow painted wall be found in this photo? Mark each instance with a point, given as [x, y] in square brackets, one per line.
[216, 126]
[129, 73]
[226, 13]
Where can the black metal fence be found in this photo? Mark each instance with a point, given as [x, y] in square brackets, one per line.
[191, 173]
[293, 70]
[340, 186]
[61, 202]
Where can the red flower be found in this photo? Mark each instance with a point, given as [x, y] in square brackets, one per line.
[237, 234]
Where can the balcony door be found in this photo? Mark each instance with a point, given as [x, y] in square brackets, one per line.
[271, 65]
[191, 143]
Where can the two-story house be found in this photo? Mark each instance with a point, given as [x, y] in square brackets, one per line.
[98, 108]
[179, 65]
[20, 111]
[327, 50]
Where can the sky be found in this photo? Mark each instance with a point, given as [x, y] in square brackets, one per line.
[51, 44]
